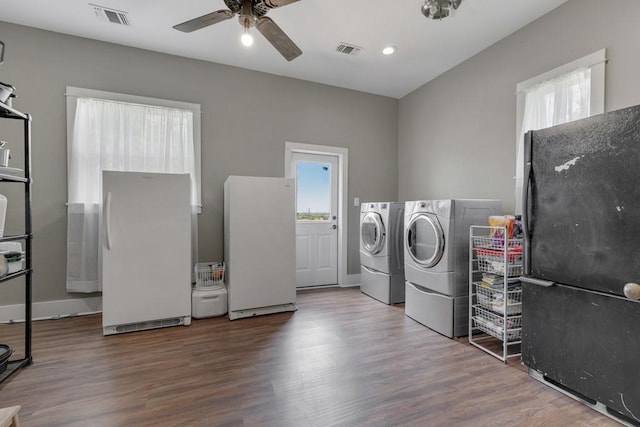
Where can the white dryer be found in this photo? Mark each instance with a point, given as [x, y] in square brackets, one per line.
[381, 253]
[436, 260]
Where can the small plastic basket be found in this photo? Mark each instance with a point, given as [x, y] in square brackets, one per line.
[209, 275]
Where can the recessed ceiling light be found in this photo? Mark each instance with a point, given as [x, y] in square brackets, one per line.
[389, 50]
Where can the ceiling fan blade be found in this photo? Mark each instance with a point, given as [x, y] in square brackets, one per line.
[278, 3]
[204, 21]
[278, 38]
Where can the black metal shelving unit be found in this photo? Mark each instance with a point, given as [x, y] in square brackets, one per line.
[14, 365]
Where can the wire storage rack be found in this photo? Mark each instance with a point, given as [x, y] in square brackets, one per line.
[495, 294]
[19, 266]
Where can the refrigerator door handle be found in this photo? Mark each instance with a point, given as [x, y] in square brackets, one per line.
[538, 282]
[527, 189]
[107, 221]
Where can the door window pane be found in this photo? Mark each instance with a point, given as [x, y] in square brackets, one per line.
[313, 191]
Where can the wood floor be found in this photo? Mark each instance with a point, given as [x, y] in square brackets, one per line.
[343, 359]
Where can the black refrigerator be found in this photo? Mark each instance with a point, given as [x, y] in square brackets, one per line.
[581, 217]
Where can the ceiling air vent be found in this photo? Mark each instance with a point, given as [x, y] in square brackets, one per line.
[348, 49]
[114, 16]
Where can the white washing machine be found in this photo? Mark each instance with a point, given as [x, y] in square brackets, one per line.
[436, 260]
[381, 253]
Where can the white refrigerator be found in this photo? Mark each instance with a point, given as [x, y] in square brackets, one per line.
[259, 245]
[145, 251]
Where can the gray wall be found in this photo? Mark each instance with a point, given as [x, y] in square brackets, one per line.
[246, 118]
[457, 133]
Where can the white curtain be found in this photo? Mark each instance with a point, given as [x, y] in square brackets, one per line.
[111, 135]
[552, 102]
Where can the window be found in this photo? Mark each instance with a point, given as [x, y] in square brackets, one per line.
[571, 92]
[313, 191]
[109, 131]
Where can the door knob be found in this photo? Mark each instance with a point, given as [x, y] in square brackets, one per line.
[632, 291]
[333, 227]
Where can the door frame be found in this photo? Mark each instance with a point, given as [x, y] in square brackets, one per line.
[343, 161]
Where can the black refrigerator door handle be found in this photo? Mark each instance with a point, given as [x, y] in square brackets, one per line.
[536, 281]
[527, 210]
[527, 189]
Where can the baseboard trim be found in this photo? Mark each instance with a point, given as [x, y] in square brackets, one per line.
[52, 309]
[82, 306]
[353, 280]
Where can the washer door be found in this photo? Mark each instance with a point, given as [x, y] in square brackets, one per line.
[424, 239]
[372, 233]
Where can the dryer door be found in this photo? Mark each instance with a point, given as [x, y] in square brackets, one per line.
[372, 233]
[424, 239]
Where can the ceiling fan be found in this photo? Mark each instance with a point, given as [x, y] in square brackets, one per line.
[251, 13]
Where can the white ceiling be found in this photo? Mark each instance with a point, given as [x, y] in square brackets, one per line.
[425, 48]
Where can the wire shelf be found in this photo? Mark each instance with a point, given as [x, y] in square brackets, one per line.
[493, 261]
[490, 242]
[495, 310]
[494, 299]
[493, 324]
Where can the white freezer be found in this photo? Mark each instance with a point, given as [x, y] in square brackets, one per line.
[146, 251]
[259, 245]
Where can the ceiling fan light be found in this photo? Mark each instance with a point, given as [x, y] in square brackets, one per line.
[246, 39]
[389, 50]
[429, 8]
[438, 9]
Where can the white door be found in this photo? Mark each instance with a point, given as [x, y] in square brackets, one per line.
[316, 218]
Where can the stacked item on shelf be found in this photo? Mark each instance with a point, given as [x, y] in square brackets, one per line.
[11, 258]
[5, 354]
[490, 308]
[5, 170]
[496, 264]
[491, 294]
